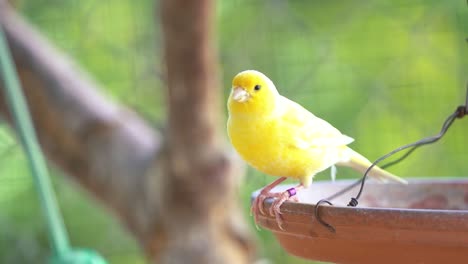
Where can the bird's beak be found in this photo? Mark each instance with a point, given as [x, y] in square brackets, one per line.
[240, 95]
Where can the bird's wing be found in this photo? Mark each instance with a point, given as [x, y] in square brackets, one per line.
[309, 131]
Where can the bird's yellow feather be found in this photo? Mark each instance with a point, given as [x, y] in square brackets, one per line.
[279, 137]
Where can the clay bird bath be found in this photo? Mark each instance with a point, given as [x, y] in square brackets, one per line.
[423, 222]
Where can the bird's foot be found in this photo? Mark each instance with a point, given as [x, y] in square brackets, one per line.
[288, 195]
[257, 205]
[281, 197]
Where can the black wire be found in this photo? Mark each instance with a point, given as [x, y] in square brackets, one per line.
[319, 219]
[350, 187]
[448, 122]
[460, 112]
[394, 162]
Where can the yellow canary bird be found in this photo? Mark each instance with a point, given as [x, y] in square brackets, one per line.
[281, 138]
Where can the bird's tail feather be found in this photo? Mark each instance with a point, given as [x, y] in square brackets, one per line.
[359, 163]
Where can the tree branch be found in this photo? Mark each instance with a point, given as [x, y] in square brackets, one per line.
[177, 198]
[201, 173]
[105, 147]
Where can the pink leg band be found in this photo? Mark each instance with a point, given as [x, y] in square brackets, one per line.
[291, 191]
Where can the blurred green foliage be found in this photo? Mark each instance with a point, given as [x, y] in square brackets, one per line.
[384, 72]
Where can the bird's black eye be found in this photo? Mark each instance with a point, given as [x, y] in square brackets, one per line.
[257, 87]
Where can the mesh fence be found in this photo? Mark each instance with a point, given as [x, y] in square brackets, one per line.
[383, 72]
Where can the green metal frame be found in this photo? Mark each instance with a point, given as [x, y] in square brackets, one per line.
[62, 252]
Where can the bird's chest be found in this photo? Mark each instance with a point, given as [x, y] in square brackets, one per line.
[265, 146]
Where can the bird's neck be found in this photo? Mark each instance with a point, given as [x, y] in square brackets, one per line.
[271, 110]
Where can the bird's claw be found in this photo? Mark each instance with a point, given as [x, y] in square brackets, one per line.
[261, 199]
[257, 205]
[275, 209]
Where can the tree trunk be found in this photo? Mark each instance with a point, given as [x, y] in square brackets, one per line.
[175, 194]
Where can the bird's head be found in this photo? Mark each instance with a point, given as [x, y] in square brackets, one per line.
[252, 93]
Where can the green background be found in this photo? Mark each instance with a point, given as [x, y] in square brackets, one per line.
[383, 72]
